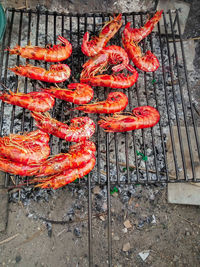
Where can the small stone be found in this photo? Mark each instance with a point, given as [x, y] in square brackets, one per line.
[116, 238]
[124, 230]
[144, 254]
[176, 258]
[187, 233]
[127, 224]
[77, 232]
[96, 190]
[115, 194]
[126, 247]
[102, 218]
[104, 206]
[153, 219]
[18, 258]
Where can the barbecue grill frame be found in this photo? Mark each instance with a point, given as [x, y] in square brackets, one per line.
[5, 58]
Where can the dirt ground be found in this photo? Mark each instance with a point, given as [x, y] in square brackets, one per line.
[170, 233]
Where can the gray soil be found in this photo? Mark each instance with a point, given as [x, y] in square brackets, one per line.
[170, 232]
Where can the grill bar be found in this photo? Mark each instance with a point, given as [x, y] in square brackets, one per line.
[188, 89]
[183, 102]
[158, 108]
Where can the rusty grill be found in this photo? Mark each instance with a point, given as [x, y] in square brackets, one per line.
[168, 152]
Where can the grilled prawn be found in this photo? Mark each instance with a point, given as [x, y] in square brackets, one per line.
[138, 34]
[80, 128]
[59, 180]
[30, 148]
[110, 55]
[34, 101]
[56, 53]
[94, 46]
[17, 168]
[143, 117]
[147, 62]
[82, 94]
[113, 81]
[78, 155]
[56, 74]
[115, 102]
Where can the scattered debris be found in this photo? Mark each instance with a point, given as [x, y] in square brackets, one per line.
[124, 230]
[116, 238]
[8, 239]
[115, 190]
[77, 232]
[126, 247]
[102, 218]
[96, 190]
[127, 224]
[18, 258]
[144, 254]
[153, 219]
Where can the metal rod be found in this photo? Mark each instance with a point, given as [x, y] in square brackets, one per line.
[133, 132]
[187, 85]
[90, 242]
[167, 105]
[175, 104]
[108, 201]
[182, 100]
[160, 122]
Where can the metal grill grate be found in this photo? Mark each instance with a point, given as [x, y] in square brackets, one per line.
[140, 156]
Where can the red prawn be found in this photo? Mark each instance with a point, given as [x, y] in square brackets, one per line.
[56, 74]
[82, 94]
[147, 62]
[56, 53]
[59, 180]
[78, 155]
[115, 102]
[31, 148]
[110, 55]
[143, 117]
[113, 81]
[138, 34]
[34, 101]
[17, 168]
[94, 46]
[80, 128]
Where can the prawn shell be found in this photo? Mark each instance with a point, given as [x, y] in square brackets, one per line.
[112, 81]
[49, 54]
[26, 149]
[78, 155]
[138, 34]
[115, 102]
[56, 74]
[147, 62]
[143, 117]
[96, 44]
[34, 101]
[66, 177]
[80, 128]
[16, 168]
[82, 94]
